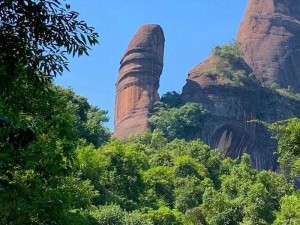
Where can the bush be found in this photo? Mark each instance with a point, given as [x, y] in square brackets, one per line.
[108, 215]
[231, 68]
[165, 216]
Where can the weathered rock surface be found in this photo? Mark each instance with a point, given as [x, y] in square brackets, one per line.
[138, 81]
[270, 44]
[232, 109]
[270, 39]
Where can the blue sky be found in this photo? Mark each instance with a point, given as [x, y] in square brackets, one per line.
[191, 28]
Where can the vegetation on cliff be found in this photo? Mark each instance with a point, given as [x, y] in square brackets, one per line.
[232, 70]
[226, 66]
[175, 119]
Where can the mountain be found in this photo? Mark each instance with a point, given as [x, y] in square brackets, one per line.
[253, 79]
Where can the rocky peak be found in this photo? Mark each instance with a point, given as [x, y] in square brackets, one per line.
[138, 80]
[269, 37]
[231, 83]
[270, 41]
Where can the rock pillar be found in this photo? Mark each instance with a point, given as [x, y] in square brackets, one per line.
[138, 81]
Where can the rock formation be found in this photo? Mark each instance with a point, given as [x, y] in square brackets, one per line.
[138, 81]
[231, 127]
[269, 35]
[270, 39]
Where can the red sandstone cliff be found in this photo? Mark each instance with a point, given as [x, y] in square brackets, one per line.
[269, 36]
[138, 81]
[270, 39]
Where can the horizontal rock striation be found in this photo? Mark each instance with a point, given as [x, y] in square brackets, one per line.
[138, 81]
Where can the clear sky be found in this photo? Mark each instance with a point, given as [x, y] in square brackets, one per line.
[191, 29]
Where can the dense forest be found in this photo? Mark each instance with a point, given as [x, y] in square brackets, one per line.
[60, 165]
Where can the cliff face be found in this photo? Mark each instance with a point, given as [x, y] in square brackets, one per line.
[268, 35]
[270, 40]
[233, 89]
[138, 81]
[231, 128]
[231, 107]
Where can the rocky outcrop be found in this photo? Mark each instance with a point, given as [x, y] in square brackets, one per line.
[270, 40]
[231, 127]
[138, 81]
[234, 89]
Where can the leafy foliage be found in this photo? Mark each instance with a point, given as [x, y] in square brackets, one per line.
[89, 119]
[231, 52]
[171, 99]
[290, 210]
[39, 123]
[180, 122]
[37, 158]
[165, 215]
[37, 35]
[288, 133]
[246, 196]
[115, 171]
[231, 68]
[183, 182]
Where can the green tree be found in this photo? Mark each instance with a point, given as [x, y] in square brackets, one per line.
[171, 99]
[289, 210]
[288, 134]
[160, 186]
[36, 175]
[108, 215]
[165, 216]
[38, 135]
[246, 196]
[114, 215]
[188, 193]
[89, 119]
[116, 171]
[181, 122]
[36, 36]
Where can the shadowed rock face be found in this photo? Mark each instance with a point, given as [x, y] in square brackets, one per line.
[232, 108]
[270, 43]
[138, 81]
[270, 39]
